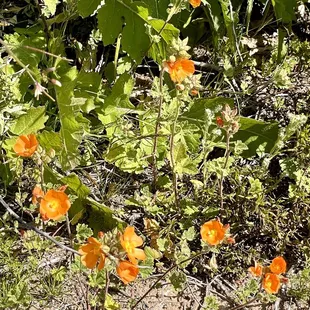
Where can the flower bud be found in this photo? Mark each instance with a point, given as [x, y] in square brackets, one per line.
[56, 82]
[180, 87]
[172, 58]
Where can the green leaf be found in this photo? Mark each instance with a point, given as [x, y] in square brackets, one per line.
[76, 185]
[101, 217]
[284, 10]
[50, 140]
[83, 232]
[50, 7]
[73, 124]
[182, 162]
[116, 103]
[31, 122]
[257, 134]
[178, 280]
[87, 7]
[130, 18]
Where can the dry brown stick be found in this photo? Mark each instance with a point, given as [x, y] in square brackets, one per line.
[35, 229]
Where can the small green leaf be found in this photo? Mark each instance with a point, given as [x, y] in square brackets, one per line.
[83, 232]
[178, 280]
[31, 122]
[76, 185]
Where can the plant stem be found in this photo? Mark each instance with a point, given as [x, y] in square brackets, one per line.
[157, 125]
[35, 229]
[245, 304]
[174, 175]
[227, 152]
[164, 274]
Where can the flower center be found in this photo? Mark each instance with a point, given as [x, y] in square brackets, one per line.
[212, 233]
[128, 247]
[54, 204]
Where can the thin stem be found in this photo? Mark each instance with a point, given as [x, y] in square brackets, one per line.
[47, 53]
[35, 229]
[47, 34]
[163, 275]
[106, 289]
[69, 228]
[227, 152]
[157, 126]
[174, 174]
[245, 304]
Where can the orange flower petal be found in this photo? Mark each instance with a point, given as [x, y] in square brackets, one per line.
[213, 232]
[127, 271]
[271, 283]
[195, 3]
[37, 193]
[101, 261]
[180, 69]
[257, 270]
[54, 204]
[26, 145]
[89, 260]
[278, 265]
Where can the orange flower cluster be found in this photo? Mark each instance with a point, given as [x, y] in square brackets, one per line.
[128, 271]
[92, 252]
[271, 281]
[53, 205]
[180, 69]
[195, 3]
[26, 145]
[214, 232]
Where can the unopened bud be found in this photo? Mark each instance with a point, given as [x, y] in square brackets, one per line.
[52, 69]
[235, 126]
[180, 87]
[51, 153]
[56, 82]
[172, 58]
[219, 121]
[231, 240]
[100, 234]
[194, 92]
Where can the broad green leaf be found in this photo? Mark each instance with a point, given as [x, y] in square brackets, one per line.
[87, 7]
[29, 57]
[72, 122]
[178, 280]
[83, 232]
[257, 134]
[130, 19]
[182, 162]
[76, 185]
[116, 103]
[101, 217]
[215, 18]
[87, 86]
[50, 140]
[284, 10]
[31, 122]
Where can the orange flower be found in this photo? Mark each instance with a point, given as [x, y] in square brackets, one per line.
[37, 193]
[219, 121]
[91, 252]
[213, 232]
[54, 204]
[278, 265]
[180, 69]
[127, 271]
[25, 146]
[257, 270]
[271, 283]
[129, 241]
[195, 3]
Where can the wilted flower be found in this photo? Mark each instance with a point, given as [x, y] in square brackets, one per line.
[257, 270]
[213, 232]
[38, 90]
[54, 205]
[130, 241]
[271, 283]
[37, 193]
[91, 253]
[127, 271]
[26, 145]
[278, 265]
